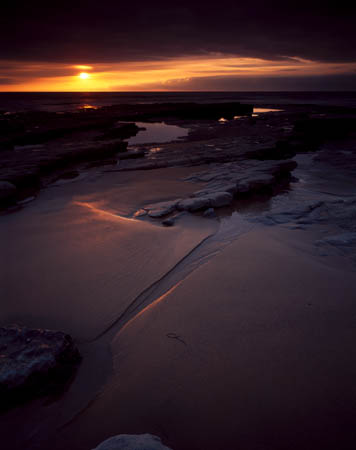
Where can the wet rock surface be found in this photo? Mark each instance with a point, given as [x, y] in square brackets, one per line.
[337, 215]
[224, 182]
[34, 362]
[184, 111]
[162, 208]
[132, 442]
[27, 167]
[276, 136]
[119, 131]
[132, 154]
[36, 145]
[242, 177]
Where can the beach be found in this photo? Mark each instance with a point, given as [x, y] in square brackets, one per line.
[209, 284]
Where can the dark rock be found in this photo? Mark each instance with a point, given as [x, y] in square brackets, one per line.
[34, 362]
[162, 208]
[69, 175]
[281, 150]
[120, 131]
[27, 169]
[26, 200]
[210, 212]
[255, 183]
[90, 152]
[193, 204]
[219, 199]
[168, 222]
[224, 181]
[37, 127]
[281, 168]
[196, 111]
[132, 154]
[132, 442]
[318, 129]
[7, 191]
[140, 213]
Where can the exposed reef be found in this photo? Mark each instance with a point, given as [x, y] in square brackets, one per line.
[224, 183]
[36, 146]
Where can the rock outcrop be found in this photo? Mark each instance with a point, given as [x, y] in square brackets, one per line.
[27, 168]
[194, 204]
[132, 442]
[119, 131]
[157, 111]
[161, 209]
[34, 362]
[224, 182]
[7, 191]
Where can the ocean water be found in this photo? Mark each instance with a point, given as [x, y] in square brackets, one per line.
[71, 101]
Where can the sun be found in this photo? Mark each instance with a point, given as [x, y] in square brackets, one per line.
[84, 75]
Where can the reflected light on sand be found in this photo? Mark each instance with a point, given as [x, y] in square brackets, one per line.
[103, 214]
[150, 306]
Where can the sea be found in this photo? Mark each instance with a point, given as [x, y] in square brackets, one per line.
[72, 101]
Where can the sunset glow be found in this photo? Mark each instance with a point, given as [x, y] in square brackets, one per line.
[178, 224]
[84, 76]
[161, 75]
[82, 67]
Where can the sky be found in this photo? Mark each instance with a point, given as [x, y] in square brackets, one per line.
[110, 45]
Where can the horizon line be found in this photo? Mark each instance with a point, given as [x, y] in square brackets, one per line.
[175, 91]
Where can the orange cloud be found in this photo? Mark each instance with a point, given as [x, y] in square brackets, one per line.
[82, 67]
[157, 75]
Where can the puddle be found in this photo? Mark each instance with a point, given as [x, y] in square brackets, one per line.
[265, 110]
[158, 132]
[256, 113]
[88, 107]
[154, 150]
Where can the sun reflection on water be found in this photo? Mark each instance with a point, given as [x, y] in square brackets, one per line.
[155, 149]
[86, 106]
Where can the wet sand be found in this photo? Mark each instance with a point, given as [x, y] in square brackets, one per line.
[84, 265]
[75, 253]
[252, 350]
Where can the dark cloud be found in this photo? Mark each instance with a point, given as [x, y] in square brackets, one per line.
[114, 31]
[19, 71]
[6, 81]
[346, 82]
